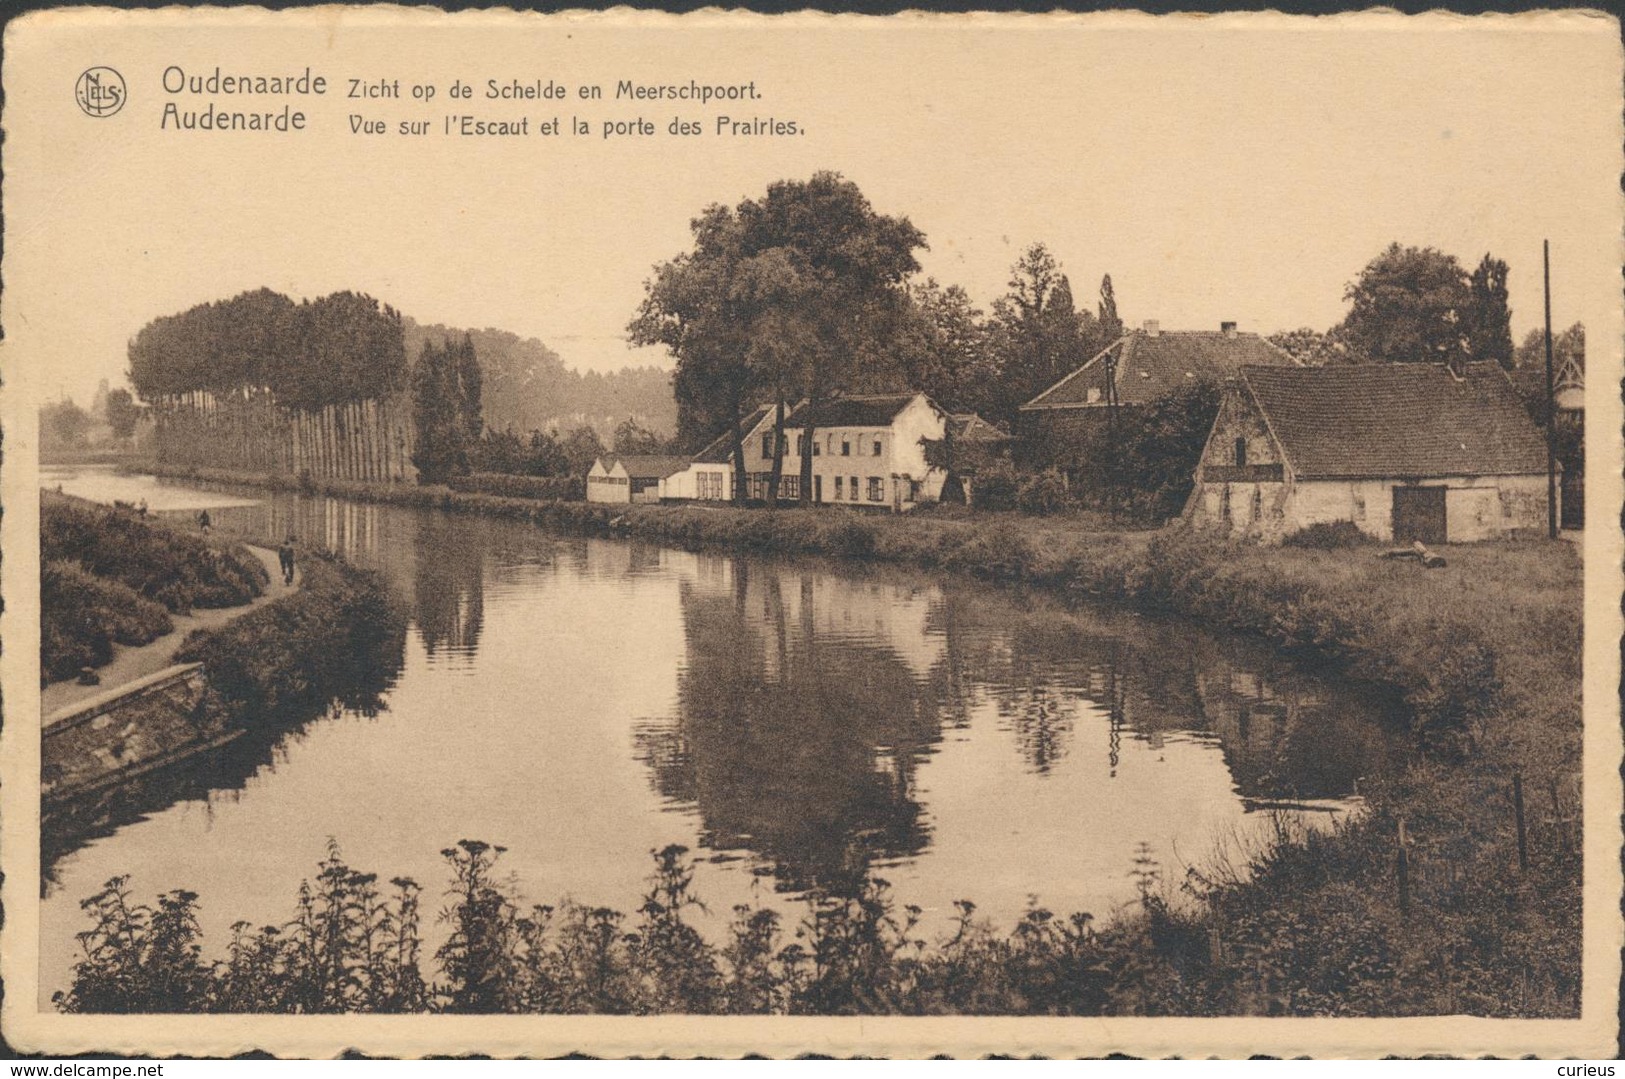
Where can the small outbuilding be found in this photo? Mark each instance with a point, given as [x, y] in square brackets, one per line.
[631, 477]
[1405, 451]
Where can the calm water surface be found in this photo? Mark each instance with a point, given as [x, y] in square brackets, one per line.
[584, 701]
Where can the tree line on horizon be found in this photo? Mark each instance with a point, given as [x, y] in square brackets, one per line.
[346, 347]
[336, 349]
[806, 293]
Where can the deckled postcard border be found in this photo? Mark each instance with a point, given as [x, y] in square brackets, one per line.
[27, 1029]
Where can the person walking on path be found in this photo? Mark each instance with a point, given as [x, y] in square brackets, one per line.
[284, 556]
[203, 521]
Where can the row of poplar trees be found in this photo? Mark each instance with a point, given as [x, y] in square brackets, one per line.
[335, 350]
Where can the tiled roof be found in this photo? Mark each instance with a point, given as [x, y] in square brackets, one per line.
[969, 427]
[721, 449]
[859, 410]
[1397, 419]
[649, 466]
[1150, 365]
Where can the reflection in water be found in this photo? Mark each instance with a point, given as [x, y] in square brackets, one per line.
[798, 747]
[583, 701]
[808, 702]
[357, 688]
[448, 584]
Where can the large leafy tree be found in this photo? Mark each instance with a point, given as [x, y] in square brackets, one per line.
[1489, 319]
[798, 294]
[945, 351]
[446, 390]
[122, 413]
[1037, 334]
[632, 438]
[581, 447]
[64, 425]
[1409, 305]
[1313, 348]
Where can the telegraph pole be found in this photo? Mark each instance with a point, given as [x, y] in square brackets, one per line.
[1551, 402]
[1114, 451]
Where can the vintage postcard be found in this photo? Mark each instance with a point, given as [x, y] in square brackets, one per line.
[632, 533]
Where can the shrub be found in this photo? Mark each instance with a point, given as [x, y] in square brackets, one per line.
[1328, 536]
[1043, 494]
[176, 569]
[332, 636]
[998, 488]
[83, 616]
[506, 485]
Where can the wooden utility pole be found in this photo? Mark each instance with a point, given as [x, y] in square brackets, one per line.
[1114, 450]
[1551, 402]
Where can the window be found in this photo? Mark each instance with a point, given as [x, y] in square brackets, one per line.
[839, 490]
[816, 449]
[877, 447]
[1241, 453]
[767, 445]
[790, 487]
[854, 480]
[876, 492]
[911, 489]
[846, 448]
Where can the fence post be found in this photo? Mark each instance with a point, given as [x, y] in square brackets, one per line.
[1523, 836]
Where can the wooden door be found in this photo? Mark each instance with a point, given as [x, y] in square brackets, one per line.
[1419, 514]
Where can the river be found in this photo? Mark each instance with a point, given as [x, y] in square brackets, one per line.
[585, 701]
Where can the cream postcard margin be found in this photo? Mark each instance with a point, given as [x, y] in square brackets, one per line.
[69, 252]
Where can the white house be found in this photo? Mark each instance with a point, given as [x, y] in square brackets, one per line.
[710, 475]
[868, 450]
[1405, 451]
[631, 477]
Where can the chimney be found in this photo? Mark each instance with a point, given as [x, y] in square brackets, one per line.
[1152, 327]
[1227, 328]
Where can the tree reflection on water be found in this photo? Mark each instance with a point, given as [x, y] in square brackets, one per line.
[808, 702]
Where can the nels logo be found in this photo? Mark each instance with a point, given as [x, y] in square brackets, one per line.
[100, 91]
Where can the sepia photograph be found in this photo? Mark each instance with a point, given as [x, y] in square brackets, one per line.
[938, 534]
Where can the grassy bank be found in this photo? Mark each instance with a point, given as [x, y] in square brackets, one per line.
[340, 631]
[1486, 653]
[82, 616]
[111, 577]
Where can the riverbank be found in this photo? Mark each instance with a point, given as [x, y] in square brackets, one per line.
[133, 662]
[1486, 653]
[112, 578]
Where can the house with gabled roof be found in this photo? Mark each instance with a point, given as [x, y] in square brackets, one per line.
[1405, 451]
[710, 476]
[970, 445]
[869, 450]
[631, 477]
[1143, 365]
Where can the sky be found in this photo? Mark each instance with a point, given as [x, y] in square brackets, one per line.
[1225, 168]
